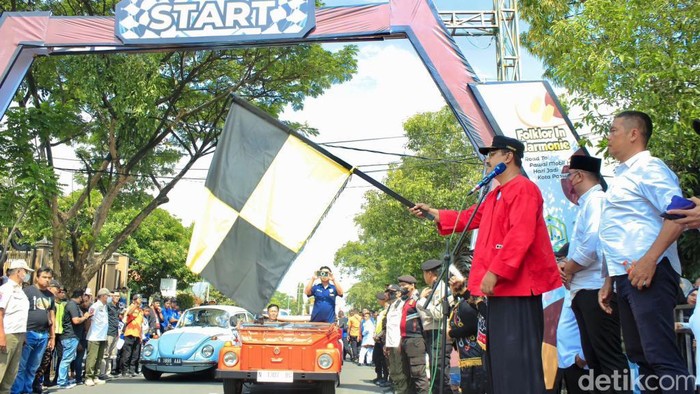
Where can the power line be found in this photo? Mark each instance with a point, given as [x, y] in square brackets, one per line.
[383, 138]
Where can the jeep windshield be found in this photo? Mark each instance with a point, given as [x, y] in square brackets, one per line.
[205, 318]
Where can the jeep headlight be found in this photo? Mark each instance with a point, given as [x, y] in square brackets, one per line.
[325, 361]
[230, 359]
[148, 350]
[207, 351]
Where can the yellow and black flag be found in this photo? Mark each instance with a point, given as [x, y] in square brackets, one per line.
[267, 189]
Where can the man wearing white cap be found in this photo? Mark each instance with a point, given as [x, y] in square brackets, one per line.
[97, 338]
[14, 309]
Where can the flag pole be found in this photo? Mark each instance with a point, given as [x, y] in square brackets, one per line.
[264, 115]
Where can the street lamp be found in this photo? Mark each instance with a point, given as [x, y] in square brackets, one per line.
[112, 260]
[44, 246]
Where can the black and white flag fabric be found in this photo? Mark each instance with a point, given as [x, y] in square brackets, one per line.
[266, 192]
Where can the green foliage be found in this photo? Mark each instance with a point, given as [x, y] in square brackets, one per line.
[393, 243]
[158, 249]
[285, 301]
[185, 301]
[637, 54]
[220, 298]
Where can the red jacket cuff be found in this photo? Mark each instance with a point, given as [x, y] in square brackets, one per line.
[503, 270]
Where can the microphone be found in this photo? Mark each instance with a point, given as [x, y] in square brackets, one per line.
[696, 126]
[498, 170]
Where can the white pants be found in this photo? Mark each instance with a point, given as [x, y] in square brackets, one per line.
[366, 352]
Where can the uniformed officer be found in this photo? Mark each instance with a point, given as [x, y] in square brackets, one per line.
[14, 311]
[412, 342]
[392, 345]
[432, 316]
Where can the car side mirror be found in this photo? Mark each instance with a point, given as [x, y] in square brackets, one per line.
[233, 321]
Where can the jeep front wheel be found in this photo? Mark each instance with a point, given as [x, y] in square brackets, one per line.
[327, 387]
[233, 386]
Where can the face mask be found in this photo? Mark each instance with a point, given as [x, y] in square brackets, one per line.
[109, 300]
[404, 293]
[28, 277]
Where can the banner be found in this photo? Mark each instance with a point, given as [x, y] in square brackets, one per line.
[531, 113]
[206, 21]
[168, 287]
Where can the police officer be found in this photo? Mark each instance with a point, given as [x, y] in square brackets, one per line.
[392, 344]
[412, 342]
[432, 316]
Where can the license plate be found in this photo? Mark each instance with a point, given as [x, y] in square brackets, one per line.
[276, 376]
[169, 361]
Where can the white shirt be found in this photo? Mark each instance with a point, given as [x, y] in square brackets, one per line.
[16, 306]
[432, 315]
[393, 323]
[99, 322]
[368, 333]
[630, 223]
[584, 247]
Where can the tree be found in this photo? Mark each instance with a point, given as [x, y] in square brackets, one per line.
[393, 243]
[285, 301]
[23, 185]
[158, 249]
[140, 122]
[614, 55]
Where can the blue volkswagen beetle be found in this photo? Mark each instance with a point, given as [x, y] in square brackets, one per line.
[193, 345]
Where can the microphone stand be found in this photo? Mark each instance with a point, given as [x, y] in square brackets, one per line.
[447, 260]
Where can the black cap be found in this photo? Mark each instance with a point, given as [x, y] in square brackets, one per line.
[393, 287]
[407, 279]
[503, 142]
[585, 163]
[430, 265]
[381, 296]
[55, 283]
[563, 251]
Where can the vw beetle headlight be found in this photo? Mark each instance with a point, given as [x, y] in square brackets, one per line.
[148, 350]
[230, 359]
[207, 351]
[325, 361]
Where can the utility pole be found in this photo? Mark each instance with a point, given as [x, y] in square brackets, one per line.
[500, 22]
[300, 298]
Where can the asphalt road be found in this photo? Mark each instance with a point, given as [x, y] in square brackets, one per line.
[353, 380]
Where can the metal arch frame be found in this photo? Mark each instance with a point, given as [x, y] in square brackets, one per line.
[41, 34]
[500, 22]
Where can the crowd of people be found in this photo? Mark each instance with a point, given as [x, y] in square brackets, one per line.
[621, 271]
[49, 337]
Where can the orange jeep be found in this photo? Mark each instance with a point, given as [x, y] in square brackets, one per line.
[282, 353]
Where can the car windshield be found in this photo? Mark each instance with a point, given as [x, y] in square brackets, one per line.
[205, 318]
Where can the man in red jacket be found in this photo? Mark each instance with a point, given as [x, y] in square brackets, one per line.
[513, 265]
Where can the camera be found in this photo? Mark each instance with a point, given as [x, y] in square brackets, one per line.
[321, 273]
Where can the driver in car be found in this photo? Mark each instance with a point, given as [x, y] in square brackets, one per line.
[273, 310]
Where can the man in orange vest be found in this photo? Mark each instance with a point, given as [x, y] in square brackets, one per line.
[131, 350]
